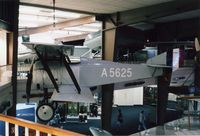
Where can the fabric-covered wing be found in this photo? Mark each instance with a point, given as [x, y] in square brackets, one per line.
[69, 93]
[50, 48]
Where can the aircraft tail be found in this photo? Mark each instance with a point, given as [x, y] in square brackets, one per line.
[158, 61]
[166, 60]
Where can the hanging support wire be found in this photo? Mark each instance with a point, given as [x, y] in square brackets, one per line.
[54, 13]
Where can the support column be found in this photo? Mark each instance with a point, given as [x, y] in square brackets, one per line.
[107, 101]
[15, 13]
[108, 37]
[9, 48]
[163, 89]
[107, 90]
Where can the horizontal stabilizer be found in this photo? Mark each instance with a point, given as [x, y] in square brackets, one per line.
[68, 93]
[166, 60]
[158, 61]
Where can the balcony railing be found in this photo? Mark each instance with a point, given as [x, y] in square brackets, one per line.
[32, 129]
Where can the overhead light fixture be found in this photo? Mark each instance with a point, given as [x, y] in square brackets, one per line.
[54, 16]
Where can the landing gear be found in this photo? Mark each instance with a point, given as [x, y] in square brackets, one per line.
[45, 112]
[83, 114]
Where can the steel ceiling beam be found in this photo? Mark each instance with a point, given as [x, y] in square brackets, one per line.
[56, 8]
[150, 13]
[60, 25]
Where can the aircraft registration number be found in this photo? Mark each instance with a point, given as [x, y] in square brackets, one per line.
[117, 72]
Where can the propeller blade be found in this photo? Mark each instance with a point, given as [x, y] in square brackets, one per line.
[197, 46]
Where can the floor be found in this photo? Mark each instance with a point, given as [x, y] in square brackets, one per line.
[129, 125]
[178, 127]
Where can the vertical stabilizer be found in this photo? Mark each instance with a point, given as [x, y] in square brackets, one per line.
[158, 61]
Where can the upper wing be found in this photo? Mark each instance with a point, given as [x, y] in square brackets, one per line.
[50, 48]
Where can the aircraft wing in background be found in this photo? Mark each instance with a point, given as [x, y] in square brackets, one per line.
[182, 77]
[99, 132]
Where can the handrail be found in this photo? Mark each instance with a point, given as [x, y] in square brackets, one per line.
[38, 127]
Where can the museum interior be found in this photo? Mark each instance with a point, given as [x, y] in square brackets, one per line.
[99, 68]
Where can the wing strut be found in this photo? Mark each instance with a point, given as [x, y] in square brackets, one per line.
[69, 70]
[68, 59]
[47, 69]
[29, 81]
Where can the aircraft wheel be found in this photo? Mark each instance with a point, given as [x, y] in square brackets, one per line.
[45, 112]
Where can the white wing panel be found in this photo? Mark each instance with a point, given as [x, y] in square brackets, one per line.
[68, 93]
[182, 77]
